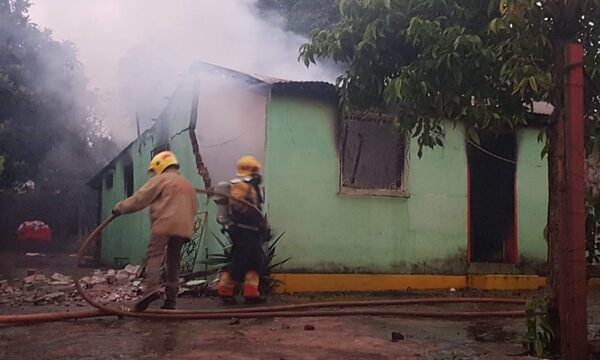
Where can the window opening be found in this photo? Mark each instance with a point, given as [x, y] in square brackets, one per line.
[373, 155]
[158, 150]
[108, 180]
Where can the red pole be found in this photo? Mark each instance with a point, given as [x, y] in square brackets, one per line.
[573, 292]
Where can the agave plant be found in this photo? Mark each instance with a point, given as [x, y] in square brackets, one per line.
[219, 261]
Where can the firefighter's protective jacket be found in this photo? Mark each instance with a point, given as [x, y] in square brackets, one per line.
[173, 204]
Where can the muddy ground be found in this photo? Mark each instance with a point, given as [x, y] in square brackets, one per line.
[355, 337]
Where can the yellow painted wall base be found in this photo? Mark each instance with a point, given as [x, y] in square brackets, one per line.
[387, 282]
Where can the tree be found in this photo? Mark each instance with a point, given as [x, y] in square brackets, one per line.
[43, 95]
[51, 132]
[481, 64]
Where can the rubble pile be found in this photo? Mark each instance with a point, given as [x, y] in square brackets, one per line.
[37, 289]
[104, 286]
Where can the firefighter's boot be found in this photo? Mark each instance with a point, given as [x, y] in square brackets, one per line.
[149, 296]
[171, 293]
[251, 280]
[226, 288]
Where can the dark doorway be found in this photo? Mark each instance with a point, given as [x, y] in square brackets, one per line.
[492, 168]
[128, 178]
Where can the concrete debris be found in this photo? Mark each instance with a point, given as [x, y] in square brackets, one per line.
[34, 278]
[51, 297]
[122, 272]
[90, 281]
[121, 279]
[111, 276]
[133, 269]
[61, 283]
[182, 290]
[198, 282]
[30, 272]
[34, 254]
[105, 286]
[234, 321]
[309, 327]
[61, 278]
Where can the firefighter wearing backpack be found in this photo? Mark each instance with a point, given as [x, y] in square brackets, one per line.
[247, 229]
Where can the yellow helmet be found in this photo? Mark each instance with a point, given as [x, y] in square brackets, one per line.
[247, 165]
[161, 161]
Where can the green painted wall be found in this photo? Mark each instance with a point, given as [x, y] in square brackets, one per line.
[330, 232]
[532, 201]
[325, 231]
[424, 233]
[128, 235]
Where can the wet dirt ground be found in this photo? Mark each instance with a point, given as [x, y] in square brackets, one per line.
[332, 338]
[354, 337]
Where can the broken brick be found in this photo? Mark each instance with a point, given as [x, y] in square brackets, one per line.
[60, 278]
[133, 269]
[121, 278]
[55, 296]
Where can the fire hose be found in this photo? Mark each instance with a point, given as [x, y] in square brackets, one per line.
[293, 310]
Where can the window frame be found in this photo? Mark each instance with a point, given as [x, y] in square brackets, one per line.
[403, 190]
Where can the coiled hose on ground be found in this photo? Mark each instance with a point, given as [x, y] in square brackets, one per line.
[293, 310]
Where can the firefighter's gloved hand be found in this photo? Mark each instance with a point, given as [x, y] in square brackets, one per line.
[224, 229]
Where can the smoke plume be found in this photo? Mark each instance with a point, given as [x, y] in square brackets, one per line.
[134, 52]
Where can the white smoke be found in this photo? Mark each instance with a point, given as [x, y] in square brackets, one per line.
[134, 52]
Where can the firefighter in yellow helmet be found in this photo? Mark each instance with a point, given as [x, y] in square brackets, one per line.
[173, 204]
[247, 229]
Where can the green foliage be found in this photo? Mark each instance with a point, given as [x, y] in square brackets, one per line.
[592, 231]
[539, 334]
[477, 63]
[480, 64]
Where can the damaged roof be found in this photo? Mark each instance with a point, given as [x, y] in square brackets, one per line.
[311, 89]
[96, 181]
